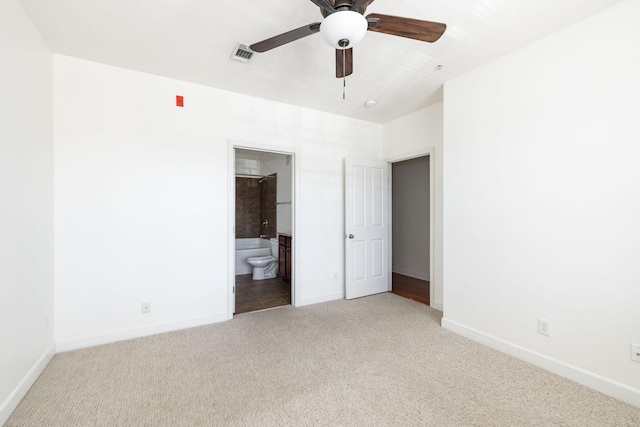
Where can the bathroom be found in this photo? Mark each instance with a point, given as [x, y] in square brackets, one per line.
[263, 223]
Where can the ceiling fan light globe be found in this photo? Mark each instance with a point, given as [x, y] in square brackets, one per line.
[343, 25]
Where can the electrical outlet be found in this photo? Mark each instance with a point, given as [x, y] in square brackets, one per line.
[635, 352]
[544, 327]
[146, 307]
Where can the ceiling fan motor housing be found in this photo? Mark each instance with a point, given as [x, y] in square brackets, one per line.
[344, 5]
[343, 29]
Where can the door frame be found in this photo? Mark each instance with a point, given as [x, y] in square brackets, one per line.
[231, 216]
[429, 151]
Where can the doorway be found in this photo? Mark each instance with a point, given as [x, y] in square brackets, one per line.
[262, 224]
[411, 247]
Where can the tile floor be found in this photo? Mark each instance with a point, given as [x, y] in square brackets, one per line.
[252, 295]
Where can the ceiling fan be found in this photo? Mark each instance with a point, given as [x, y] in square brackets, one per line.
[345, 25]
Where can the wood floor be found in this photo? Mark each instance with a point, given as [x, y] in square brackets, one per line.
[408, 287]
[252, 295]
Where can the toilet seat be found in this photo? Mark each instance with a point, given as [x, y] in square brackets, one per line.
[263, 258]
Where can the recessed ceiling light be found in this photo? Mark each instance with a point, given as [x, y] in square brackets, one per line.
[370, 104]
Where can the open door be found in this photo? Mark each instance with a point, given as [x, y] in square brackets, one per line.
[367, 226]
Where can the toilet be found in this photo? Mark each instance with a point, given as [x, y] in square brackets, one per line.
[265, 267]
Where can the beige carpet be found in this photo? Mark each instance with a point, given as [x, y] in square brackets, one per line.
[376, 361]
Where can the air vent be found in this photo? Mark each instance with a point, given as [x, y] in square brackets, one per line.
[242, 53]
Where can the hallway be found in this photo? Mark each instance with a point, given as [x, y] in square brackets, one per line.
[408, 287]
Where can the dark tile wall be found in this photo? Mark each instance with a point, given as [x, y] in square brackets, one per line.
[247, 208]
[256, 202]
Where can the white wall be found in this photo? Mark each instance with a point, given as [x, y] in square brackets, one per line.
[541, 184]
[141, 197]
[410, 215]
[408, 137]
[26, 213]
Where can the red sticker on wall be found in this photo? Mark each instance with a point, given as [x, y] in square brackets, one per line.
[179, 101]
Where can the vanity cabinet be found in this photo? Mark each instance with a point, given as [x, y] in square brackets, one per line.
[284, 257]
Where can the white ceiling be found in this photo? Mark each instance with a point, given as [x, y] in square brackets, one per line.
[193, 40]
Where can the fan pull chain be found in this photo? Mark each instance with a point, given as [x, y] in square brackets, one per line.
[344, 74]
[343, 44]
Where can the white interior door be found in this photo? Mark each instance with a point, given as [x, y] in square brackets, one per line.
[367, 226]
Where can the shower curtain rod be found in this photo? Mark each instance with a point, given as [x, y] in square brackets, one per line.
[251, 176]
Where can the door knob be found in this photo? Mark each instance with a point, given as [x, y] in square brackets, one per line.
[351, 236]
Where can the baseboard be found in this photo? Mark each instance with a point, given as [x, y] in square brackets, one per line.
[589, 379]
[9, 405]
[321, 299]
[78, 343]
[410, 273]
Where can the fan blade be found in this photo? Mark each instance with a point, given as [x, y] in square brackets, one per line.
[348, 65]
[285, 38]
[416, 29]
[325, 4]
[361, 3]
